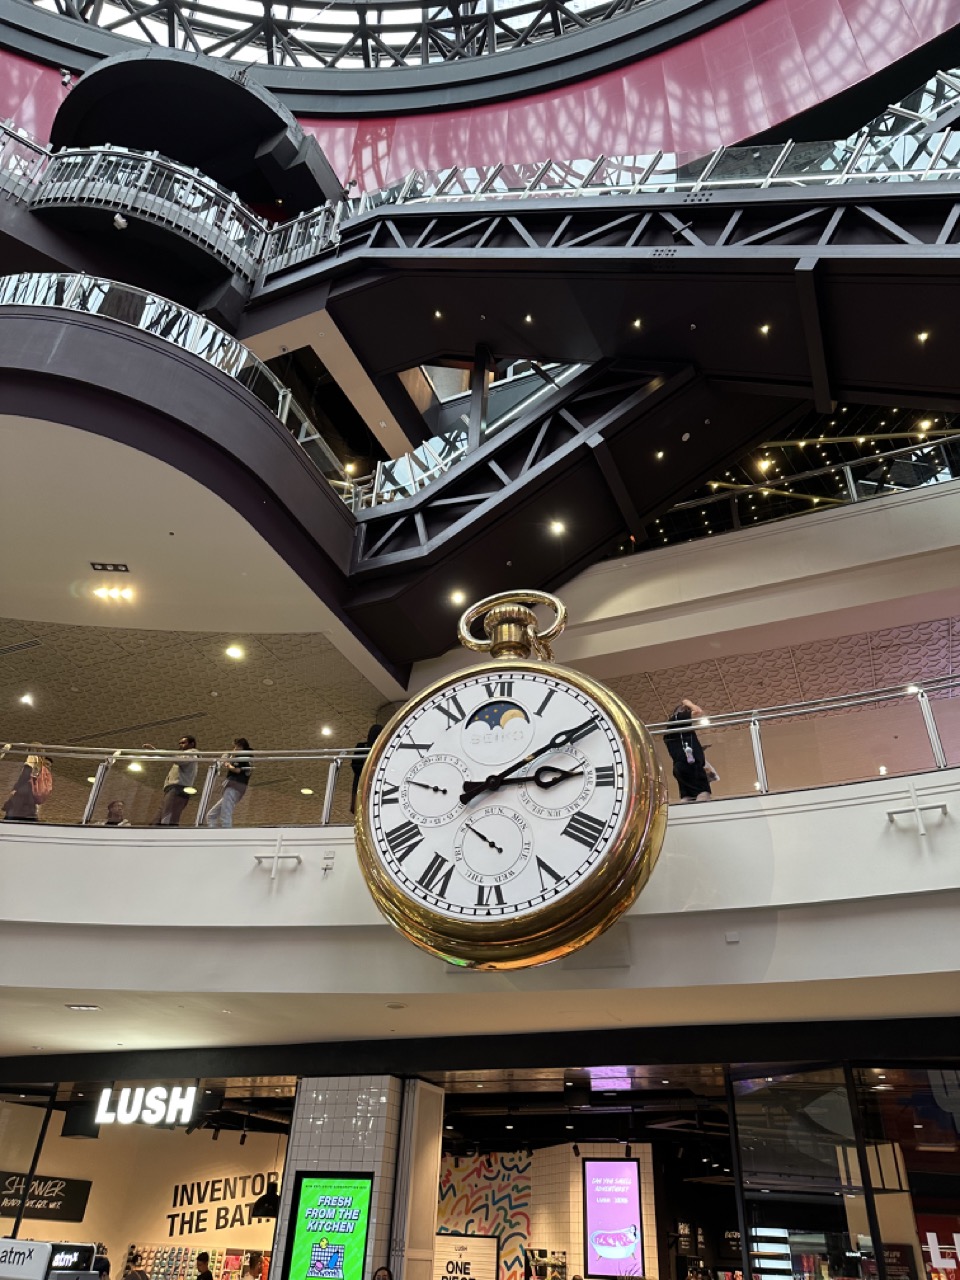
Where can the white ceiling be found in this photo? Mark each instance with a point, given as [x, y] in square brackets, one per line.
[71, 497]
[152, 1020]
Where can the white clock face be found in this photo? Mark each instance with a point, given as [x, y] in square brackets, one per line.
[498, 795]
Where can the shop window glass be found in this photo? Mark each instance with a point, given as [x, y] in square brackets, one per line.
[911, 1122]
[806, 1213]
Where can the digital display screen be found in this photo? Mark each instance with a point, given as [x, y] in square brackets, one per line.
[612, 1226]
[328, 1227]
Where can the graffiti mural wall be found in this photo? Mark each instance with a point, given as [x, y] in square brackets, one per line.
[489, 1196]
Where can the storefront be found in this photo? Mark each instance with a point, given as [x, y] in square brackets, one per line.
[163, 1191]
[698, 1172]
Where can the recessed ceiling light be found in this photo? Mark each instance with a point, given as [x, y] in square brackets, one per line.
[326, 731]
[458, 597]
[882, 769]
[438, 315]
[349, 468]
[659, 454]
[508, 1126]
[91, 779]
[913, 688]
[557, 527]
[135, 767]
[916, 1126]
[764, 329]
[568, 1126]
[637, 324]
[306, 791]
[528, 319]
[233, 651]
[102, 593]
[479, 1086]
[664, 1081]
[27, 699]
[126, 593]
[448, 1126]
[83, 1008]
[923, 336]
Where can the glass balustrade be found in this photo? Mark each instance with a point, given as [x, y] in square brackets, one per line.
[861, 737]
[182, 328]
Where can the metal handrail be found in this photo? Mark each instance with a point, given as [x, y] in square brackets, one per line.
[106, 758]
[170, 322]
[22, 160]
[160, 191]
[724, 494]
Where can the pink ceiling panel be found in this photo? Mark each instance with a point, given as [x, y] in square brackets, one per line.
[738, 79]
[29, 94]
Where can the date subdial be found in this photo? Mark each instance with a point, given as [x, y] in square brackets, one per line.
[430, 791]
[492, 845]
[566, 794]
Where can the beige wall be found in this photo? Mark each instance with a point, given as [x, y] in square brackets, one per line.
[134, 1170]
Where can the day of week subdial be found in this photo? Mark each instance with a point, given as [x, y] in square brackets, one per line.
[430, 790]
[492, 845]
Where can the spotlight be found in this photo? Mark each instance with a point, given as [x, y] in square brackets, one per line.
[458, 597]
[243, 1138]
[628, 1151]
[216, 1135]
[120, 222]
[233, 651]
[66, 78]
[576, 1150]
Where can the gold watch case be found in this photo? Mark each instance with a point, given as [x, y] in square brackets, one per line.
[557, 928]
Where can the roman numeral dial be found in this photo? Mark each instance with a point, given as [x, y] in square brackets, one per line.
[498, 796]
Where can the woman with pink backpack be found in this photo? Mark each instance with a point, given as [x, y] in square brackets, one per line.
[32, 788]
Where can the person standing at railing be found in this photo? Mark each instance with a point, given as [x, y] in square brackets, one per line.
[236, 767]
[357, 763]
[690, 767]
[181, 775]
[34, 785]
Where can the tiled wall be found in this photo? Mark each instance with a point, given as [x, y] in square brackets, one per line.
[347, 1123]
[536, 1203]
[556, 1219]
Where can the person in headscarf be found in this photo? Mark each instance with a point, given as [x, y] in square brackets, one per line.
[686, 752]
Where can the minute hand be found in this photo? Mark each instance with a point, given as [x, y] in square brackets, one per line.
[492, 783]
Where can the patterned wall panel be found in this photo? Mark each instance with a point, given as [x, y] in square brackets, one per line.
[489, 1196]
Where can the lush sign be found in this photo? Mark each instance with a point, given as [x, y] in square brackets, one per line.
[153, 1106]
[612, 1226]
[56, 1199]
[328, 1227]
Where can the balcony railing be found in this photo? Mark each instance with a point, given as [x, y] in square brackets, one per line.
[180, 327]
[162, 192]
[22, 161]
[904, 729]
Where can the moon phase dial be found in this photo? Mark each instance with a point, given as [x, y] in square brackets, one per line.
[430, 791]
[497, 732]
[492, 846]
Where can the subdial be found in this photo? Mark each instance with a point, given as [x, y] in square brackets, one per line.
[430, 791]
[492, 845]
[561, 795]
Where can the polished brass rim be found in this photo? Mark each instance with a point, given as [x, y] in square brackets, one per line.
[559, 927]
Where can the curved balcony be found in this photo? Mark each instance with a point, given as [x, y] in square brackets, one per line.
[183, 329]
[165, 194]
[857, 737]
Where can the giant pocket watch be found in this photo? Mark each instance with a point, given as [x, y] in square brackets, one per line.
[509, 814]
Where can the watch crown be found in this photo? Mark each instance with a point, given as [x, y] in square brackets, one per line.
[510, 628]
[510, 625]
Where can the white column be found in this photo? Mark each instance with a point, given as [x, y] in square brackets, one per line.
[347, 1123]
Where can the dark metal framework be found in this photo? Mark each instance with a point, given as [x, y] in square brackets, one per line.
[335, 33]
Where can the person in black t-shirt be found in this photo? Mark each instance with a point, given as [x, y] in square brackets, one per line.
[373, 733]
[237, 767]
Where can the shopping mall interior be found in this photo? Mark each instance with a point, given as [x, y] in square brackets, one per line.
[541, 417]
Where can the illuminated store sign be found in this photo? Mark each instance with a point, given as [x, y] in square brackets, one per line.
[612, 1226]
[157, 1105]
[23, 1260]
[329, 1224]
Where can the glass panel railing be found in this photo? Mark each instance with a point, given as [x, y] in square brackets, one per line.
[904, 730]
[177, 325]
